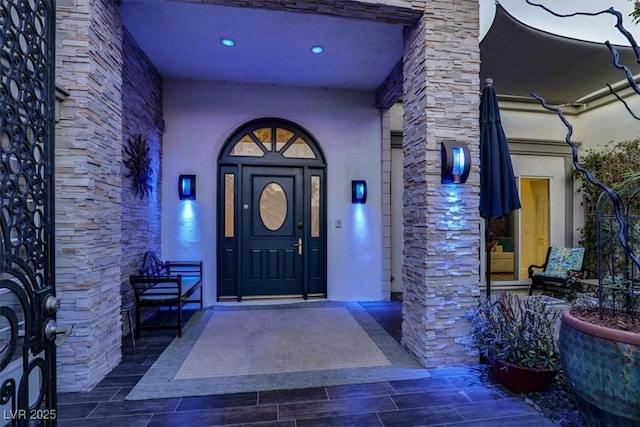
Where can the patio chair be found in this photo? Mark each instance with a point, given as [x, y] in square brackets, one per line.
[557, 276]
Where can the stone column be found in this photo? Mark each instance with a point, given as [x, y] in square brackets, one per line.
[88, 189]
[441, 221]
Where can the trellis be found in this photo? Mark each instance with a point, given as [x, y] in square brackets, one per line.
[618, 275]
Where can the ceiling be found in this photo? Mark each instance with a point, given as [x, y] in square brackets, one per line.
[182, 39]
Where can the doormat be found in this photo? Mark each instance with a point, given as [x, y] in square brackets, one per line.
[234, 349]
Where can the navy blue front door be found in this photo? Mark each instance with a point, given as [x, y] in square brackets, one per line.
[273, 231]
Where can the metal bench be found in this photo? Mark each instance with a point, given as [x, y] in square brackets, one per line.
[166, 284]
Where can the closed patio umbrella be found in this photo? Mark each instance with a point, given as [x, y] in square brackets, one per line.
[498, 191]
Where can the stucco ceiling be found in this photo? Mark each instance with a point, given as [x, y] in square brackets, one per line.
[182, 39]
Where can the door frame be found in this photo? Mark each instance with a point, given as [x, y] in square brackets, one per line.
[230, 224]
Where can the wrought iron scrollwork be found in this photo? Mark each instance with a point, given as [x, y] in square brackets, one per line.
[27, 46]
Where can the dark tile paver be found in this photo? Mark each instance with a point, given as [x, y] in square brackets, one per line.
[218, 401]
[291, 396]
[335, 407]
[210, 417]
[358, 420]
[429, 416]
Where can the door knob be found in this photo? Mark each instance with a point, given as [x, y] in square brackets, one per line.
[299, 245]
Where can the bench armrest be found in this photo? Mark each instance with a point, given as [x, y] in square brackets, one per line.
[531, 267]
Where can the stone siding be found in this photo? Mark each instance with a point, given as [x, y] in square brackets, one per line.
[391, 11]
[441, 222]
[390, 91]
[385, 148]
[88, 190]
[142, 114]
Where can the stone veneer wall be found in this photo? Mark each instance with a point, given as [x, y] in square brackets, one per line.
[141, 114]
[392, 11]
[385, 148]
[88, 189]
[441, 222]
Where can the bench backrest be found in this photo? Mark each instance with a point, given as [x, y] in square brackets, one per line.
[561, 261]
[152, 266]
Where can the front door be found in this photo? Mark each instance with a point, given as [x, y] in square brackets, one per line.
[271, 213]
[273, 229]
[27, 290]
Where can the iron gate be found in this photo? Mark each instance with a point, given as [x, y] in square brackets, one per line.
[27, 291]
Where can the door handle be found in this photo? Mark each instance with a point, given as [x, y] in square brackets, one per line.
[299, 245]
[52, 332]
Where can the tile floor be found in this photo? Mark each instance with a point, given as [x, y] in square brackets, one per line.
[452, 397]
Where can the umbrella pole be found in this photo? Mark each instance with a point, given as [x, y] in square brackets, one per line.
[488, 237]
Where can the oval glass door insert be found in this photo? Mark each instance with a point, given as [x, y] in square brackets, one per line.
[273, 206]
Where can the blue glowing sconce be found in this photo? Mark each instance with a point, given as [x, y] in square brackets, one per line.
[456, 162]
[187, 187]
[358, 191]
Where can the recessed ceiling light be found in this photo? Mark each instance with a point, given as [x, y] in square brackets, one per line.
[317, 49]
[227, 42]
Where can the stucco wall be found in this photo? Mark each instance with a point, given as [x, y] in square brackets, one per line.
[595, 126]
[533, 123]
[610, 122]
[200, 117]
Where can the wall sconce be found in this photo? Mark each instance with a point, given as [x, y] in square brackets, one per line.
[358, 191]
[187, 187]
[456, 162]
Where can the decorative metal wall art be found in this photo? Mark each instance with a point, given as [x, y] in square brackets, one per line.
[138, 162]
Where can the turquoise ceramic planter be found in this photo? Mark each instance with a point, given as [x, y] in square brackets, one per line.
[602, 366]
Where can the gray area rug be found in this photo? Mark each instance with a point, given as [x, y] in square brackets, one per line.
[233, 349]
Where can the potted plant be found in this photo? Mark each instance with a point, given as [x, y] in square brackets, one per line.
[600, 335]
[518, 336]
[601, 361]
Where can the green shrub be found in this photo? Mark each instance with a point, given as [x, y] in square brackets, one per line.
[613, 167]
